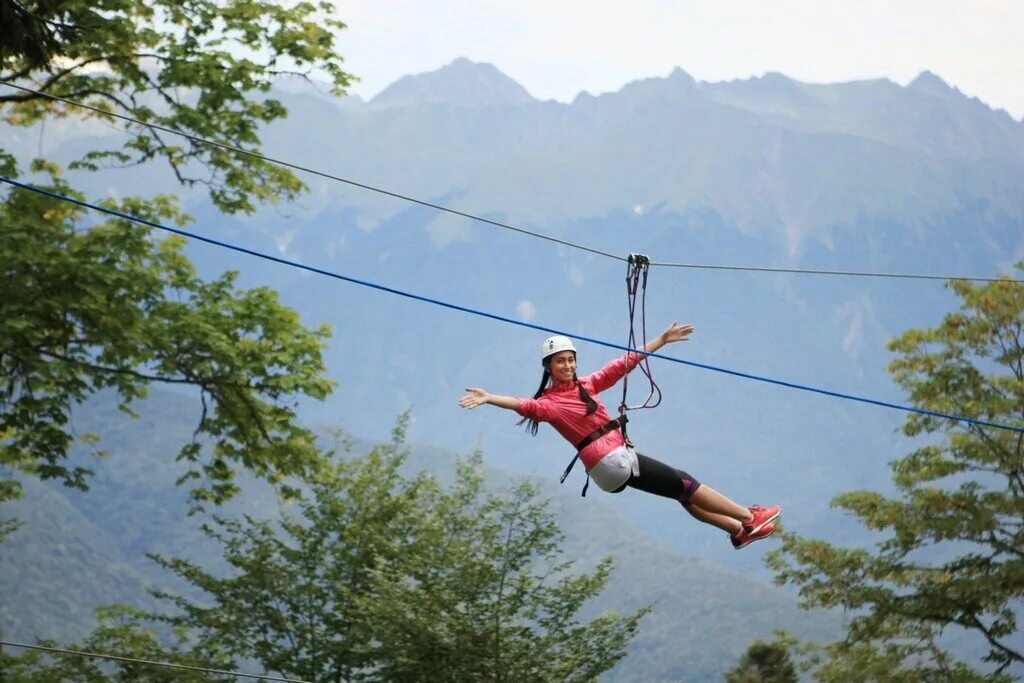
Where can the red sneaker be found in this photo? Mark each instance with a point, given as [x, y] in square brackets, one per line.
[762, 516]
[745, 538]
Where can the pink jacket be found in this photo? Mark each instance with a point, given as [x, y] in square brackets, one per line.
[562, 407]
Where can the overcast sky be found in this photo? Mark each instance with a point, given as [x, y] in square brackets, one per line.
[556, 48]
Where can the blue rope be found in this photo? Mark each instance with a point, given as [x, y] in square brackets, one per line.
[493, 316]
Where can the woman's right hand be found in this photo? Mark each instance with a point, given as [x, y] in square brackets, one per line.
[475, 397]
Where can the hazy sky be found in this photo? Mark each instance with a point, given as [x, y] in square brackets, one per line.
[556, 48]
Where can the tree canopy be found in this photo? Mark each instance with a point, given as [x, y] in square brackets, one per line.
[202, 67]
[110, 309]
[764, 663]
[89, 306]
[376, 575]
[951, 560]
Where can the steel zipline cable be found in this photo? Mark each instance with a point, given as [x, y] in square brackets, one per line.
[813, 271]
[494, 316]
[488, 221]
[133, 660]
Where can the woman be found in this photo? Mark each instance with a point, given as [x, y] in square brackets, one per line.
[569, 403]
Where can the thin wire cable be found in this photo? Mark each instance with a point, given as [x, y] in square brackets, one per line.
[313, 171]
[133, 660]
[494, 316]
[488, 221]
[811, 271]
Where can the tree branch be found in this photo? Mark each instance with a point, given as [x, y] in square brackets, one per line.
[969, 620]
[64, 73]
[1009, 652]
[50, 82]
[187, 379]
[1005, 547]
[18, 75]
[105, 369]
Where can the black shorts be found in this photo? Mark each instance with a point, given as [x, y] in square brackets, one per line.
[658, 478]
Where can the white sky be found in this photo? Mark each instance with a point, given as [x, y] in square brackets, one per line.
[556, 48]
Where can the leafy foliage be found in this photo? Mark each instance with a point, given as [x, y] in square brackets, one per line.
[26, 31]
[111, 308]
[764, 663]
[86, 308]
[953, 552]
[122, 632]
[192, 66]
[481, 595]
[385, 577]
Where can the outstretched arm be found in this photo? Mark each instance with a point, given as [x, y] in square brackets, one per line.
[478, 397]
[607, 376]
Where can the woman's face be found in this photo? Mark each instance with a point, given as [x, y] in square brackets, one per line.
[562, 366]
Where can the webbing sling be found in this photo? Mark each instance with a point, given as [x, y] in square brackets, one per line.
[637, 267]
[611, 425]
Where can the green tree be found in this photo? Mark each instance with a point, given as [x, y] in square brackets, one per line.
[482, 594]
[952, 554]
[122, 632]
[89, 306]
[108, 308]
[194, 66]
[380, 576]
[29, 31]
[764, 663]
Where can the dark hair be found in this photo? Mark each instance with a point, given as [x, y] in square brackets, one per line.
[532, 425]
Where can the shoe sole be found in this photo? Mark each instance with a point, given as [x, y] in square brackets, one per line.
[751, 540]
[765, 523]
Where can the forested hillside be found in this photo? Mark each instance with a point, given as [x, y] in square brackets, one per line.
[78, 551]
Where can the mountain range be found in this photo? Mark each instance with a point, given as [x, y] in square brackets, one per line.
[764, 172]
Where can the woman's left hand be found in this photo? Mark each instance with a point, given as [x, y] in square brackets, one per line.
[677, 332]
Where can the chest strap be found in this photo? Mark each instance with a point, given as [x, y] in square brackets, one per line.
[611, 425]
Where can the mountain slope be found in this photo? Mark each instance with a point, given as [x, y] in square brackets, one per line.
[76, 551]
[768, 172]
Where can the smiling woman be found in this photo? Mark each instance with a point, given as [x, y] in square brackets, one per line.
[568, 403]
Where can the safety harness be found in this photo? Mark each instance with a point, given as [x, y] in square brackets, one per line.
[636, 281]
[611, 425]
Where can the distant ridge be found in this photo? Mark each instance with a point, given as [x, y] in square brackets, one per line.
[464, 83]
[931, 84]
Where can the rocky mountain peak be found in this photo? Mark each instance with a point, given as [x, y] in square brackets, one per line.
[463, 82]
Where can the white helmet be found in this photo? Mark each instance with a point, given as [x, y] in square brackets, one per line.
[553, 345]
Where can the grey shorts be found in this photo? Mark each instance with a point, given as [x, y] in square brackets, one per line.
[615, 468]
